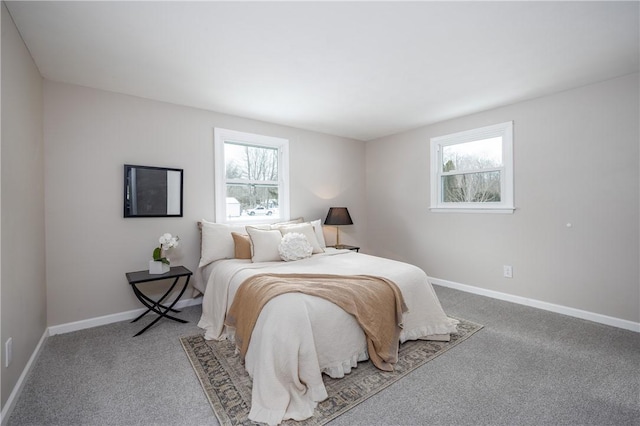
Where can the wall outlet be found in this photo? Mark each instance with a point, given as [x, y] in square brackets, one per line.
[508, 271]
[8, 351]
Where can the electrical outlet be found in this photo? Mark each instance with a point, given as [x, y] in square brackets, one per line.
[8, 349]
[508, 271]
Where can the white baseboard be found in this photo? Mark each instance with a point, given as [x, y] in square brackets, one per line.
[68, 328]
[8, 407]
[565, 310]
[109, 319]
[123, 316]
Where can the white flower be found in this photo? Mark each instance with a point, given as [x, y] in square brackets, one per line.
[167, 241]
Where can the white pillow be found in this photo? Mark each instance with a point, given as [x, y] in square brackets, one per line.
[264, 244]
[317, 227]
[294, 246]
[305, 229]
[217, 242]
[289, 222]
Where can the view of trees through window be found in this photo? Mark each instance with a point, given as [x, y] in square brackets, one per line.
[252, 180]
[471, 171]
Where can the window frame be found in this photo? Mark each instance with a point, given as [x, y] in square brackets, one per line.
[506, 203]
[220, 187]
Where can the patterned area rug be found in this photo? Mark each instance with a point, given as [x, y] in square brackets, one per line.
[228, 387]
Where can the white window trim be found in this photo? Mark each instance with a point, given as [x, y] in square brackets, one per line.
[222, 135]
[506, 205]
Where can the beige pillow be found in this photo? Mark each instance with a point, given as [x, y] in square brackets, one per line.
[242, 245]
[265, 244]
[305, 229]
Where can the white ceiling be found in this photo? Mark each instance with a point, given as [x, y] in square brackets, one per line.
[357, 69]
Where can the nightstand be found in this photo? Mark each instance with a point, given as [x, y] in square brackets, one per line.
[347, 247]
[176, 272]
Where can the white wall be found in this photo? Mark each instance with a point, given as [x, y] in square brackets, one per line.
[90, 134]
[576, 161]
[23, 247]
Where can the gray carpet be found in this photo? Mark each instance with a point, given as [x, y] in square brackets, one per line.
[526, 367]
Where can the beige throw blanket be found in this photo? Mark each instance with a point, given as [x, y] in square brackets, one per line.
[375, 302]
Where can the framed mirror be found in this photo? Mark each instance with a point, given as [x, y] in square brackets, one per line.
[152, 191]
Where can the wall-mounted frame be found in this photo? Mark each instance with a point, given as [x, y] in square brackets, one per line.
[152, 191]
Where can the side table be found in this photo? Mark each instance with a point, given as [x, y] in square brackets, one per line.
[175, 272]
[347, 247]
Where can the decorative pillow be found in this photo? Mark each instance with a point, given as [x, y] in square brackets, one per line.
[305, 229]
[317, 227]
[216, 242]
[265, 244]
[294, 246]
[242, 244]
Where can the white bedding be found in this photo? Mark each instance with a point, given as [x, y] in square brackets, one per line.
[298, 337]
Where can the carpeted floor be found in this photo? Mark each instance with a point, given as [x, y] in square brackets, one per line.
[526, 367]
[228, 386]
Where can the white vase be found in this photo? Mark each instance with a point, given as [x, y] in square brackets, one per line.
[157, 267]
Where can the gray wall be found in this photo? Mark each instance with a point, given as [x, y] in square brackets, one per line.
[90, 134]
[23, 312]
[576, 159]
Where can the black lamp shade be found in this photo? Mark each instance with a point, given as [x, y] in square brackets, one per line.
[338, 216]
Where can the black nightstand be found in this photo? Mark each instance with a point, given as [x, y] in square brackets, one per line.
[347, 247]
[176, 272]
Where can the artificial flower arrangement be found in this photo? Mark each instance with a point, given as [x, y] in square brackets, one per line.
[167, 241]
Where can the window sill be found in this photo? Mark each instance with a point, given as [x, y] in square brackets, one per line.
[500, 210]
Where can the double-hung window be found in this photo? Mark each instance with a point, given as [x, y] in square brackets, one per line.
[473, 170]
[252, 177]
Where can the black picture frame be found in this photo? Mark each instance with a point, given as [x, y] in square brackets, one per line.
[152, 191]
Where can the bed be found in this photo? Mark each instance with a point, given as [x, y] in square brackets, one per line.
[299, 337]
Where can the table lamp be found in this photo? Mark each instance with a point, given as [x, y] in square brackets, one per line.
[338, 216]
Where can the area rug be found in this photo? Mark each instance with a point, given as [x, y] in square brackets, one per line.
[228, 386]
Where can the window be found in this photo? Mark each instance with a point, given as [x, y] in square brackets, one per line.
[252, 177]
[473, 170]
